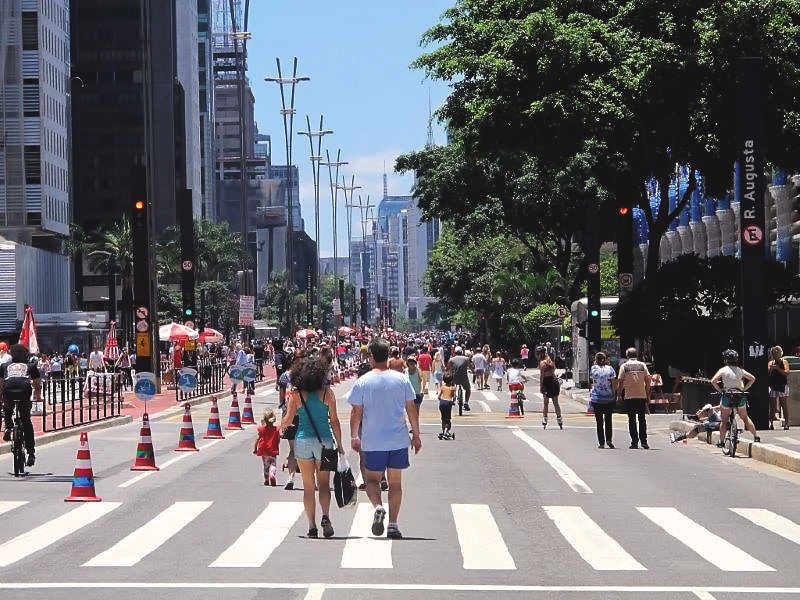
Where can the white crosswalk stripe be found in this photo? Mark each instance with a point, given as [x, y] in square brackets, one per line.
[480, 542]
[50, 532]
[594, 545]
[772, 522]
[482, 545]
[362, 551]
[708, 546]
[150, 536]
[9, 505]
[261, 538]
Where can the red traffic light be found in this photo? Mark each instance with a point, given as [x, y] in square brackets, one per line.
[623, 210]
[138, 205]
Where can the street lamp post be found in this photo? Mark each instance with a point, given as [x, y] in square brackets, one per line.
[316, 158]
[346, 188]
[334, 194]
[288, 124]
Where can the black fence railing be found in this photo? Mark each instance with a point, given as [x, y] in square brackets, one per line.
[210, 378]
[76, 400]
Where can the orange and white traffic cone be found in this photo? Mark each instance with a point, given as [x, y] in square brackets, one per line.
[589, 408]
[145, 456]
[214, 430]
[83, 477]
[234, 418]
[513, 406]
[247, 411]
[186, 441]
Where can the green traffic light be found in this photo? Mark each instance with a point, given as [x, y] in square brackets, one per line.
[594, 313]
[188, 312]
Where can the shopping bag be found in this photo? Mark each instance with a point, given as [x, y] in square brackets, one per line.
[344, 484]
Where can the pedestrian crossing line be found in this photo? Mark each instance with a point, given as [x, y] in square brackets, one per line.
[134, 547]
[712, 548]
[568, 475]
[262, 537]
[484, 406]
[362, 552]
[6, 506]
[788, 440]
[593, 544]
[490, 396]
[482, 545]
[52, 531]
[771, 522]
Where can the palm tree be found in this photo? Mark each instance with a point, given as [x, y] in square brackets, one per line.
[279, 293]
[110, 250]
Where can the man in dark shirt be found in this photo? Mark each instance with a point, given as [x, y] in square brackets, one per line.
[17, 381]
[458, 365]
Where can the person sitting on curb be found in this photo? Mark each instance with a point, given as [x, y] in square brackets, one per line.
[710, 418]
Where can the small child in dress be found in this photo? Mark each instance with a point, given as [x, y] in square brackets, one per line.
[267, 446]
[447, 393]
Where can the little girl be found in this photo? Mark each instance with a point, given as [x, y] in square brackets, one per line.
[266, 446]
[447, 393]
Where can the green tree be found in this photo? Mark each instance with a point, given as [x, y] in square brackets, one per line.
[279, 293]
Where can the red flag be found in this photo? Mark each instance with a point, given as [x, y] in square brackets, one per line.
[27, 337]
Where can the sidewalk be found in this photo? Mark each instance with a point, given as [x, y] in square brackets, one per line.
[773, 449]
[160, 406]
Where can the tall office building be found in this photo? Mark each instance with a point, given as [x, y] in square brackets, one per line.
[34, 157]
[135, 102]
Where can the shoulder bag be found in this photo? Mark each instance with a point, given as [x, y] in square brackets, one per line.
[329, 457]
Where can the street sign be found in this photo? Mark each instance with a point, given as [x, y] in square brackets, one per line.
[249, 372]
[561, 312]
[145, 386]
[142, 344]
[187, 379]
[246, 310]
[236, 374]
[337, 307]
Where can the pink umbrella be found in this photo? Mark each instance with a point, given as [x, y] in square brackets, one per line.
[175, 332]
[27, 337]
[305, 333]
[111, 351]
[210, 335]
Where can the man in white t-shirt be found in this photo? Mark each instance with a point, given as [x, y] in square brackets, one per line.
[96, 361]
[381, 400]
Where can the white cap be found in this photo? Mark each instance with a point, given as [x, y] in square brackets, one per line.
[707, 407]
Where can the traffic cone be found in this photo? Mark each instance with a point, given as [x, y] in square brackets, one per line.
[214, 431]
[513, 406]
[83, 478]
[589, 408]
[247, 411]
[145, 457]
[234, 418]
[186, 441]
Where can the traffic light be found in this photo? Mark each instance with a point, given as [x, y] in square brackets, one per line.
[139, 215]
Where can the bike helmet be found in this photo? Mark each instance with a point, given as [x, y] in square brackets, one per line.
[730, 355]
[540, 350]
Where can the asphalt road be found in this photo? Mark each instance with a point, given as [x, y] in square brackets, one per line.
[507, 509]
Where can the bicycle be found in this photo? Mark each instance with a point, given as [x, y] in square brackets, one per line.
[18, 444]
[462, 406]
[736, 398]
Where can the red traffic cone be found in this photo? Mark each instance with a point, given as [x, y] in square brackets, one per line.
[589, 408]
[247, 411]
[83, 478]
[145, 457]
[186, 441]
[234, 418]
[513, 405]
[214, 431]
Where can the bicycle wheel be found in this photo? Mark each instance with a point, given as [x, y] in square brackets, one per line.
[734, 437]
[18, 450]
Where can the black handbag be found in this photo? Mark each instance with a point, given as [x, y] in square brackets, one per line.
[329, 459]
[344, 485]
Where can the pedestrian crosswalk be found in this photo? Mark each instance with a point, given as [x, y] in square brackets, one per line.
[477, 536]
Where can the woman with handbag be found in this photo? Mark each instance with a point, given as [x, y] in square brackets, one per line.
[318, 426]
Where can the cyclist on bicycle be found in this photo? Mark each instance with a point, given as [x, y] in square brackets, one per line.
[17, 381]
[731, 380]
[458, 366]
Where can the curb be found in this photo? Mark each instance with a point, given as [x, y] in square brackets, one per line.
[762, 452]
[54, 436]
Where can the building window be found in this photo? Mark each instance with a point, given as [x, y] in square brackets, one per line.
[30, 30]
[33, 165]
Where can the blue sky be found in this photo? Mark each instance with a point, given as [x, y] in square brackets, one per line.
[357, 54]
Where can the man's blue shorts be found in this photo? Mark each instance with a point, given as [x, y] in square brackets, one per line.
[380, 460]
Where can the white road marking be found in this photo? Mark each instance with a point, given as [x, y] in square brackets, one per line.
[315, 591]
[568, 475]
[788, 440]
[50, 532]
[10, 505]
[134, 547]
[490, 396]
[712, 548]
[771, 522]
[703, 595]
[261, 538]
[484, 406]
[482, 545]
[361, 552]
[137, 478]
[593, 544]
